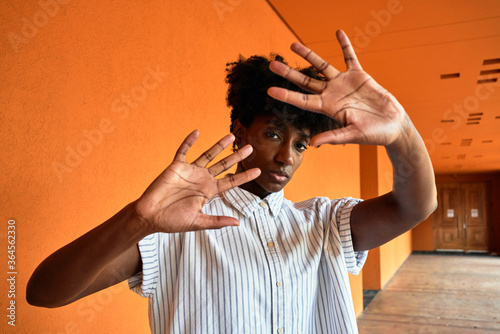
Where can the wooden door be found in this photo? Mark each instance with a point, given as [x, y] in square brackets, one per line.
[475, 217]
[461, 222]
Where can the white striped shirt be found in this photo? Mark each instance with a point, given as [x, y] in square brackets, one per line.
[283, 270]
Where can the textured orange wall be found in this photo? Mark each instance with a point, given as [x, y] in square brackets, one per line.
[95, 98]
[422, 236]
[356, 283]
[371, 271]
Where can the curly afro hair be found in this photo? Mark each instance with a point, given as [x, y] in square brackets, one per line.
[249, 79]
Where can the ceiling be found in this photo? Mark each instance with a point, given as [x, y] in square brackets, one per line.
[441, 59]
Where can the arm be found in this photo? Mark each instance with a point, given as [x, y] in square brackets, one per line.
[371, 116]
[108, 254]
[412, 199]
[102, 257]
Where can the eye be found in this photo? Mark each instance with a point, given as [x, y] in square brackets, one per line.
[301, 146]
[272, 135]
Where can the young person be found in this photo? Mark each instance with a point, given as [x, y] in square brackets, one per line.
[232, 255]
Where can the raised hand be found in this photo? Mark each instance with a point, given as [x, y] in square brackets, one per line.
[368, 112]
[173, 202]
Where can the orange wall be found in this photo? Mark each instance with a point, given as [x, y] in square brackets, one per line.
[356, 283]
[371, 271]
[422, 236]
[392, 256]
[95, 100]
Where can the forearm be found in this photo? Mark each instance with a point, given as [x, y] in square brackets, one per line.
[72, 269]
[414, 189]
[413, 198]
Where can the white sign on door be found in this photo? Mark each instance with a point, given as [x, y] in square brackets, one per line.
[451, 213]
[474, 213]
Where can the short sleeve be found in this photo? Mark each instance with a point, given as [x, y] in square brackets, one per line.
[144, 283]
[354, 260]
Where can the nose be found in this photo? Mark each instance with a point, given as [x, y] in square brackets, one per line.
[285, 154]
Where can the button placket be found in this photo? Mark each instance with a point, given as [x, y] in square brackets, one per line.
[268, 232]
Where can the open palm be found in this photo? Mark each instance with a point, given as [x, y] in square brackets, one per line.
[368, 112]
[174, 201]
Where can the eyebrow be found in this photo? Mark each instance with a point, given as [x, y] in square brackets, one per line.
[305, 135]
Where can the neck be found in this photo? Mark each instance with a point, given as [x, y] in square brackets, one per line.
[252, 186]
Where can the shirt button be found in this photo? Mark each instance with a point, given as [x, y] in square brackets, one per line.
[270, 244]
[280, 330]
[262, 204]
[279, 283]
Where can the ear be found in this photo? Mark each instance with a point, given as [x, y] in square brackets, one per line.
[238, 132]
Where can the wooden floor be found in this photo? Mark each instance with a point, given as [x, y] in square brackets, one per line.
[438, 294]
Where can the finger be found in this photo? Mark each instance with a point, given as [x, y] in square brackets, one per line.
[235, 180]
[206, 222]
[350, 58]
[346, 135]
[180, 155]
[210, 154]
[231, 160]
[309, 102]
[321, 65]
[303, 81]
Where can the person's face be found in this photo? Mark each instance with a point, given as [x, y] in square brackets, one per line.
[278, 149]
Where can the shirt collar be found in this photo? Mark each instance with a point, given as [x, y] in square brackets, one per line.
[246, 202]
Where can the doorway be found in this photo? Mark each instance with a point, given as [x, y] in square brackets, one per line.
[461, 219]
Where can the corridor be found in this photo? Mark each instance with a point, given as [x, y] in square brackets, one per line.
[438, 294]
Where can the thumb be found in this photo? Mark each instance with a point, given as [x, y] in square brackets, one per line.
[215, 222]
[345, 135]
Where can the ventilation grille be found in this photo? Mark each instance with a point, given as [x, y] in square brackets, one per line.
[466, 142]
[483, 81]
[491, 61]
[490, 75]
[488, 72]
[474, 118]
[450, 76]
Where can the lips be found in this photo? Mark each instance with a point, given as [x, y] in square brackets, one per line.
[279, 176]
